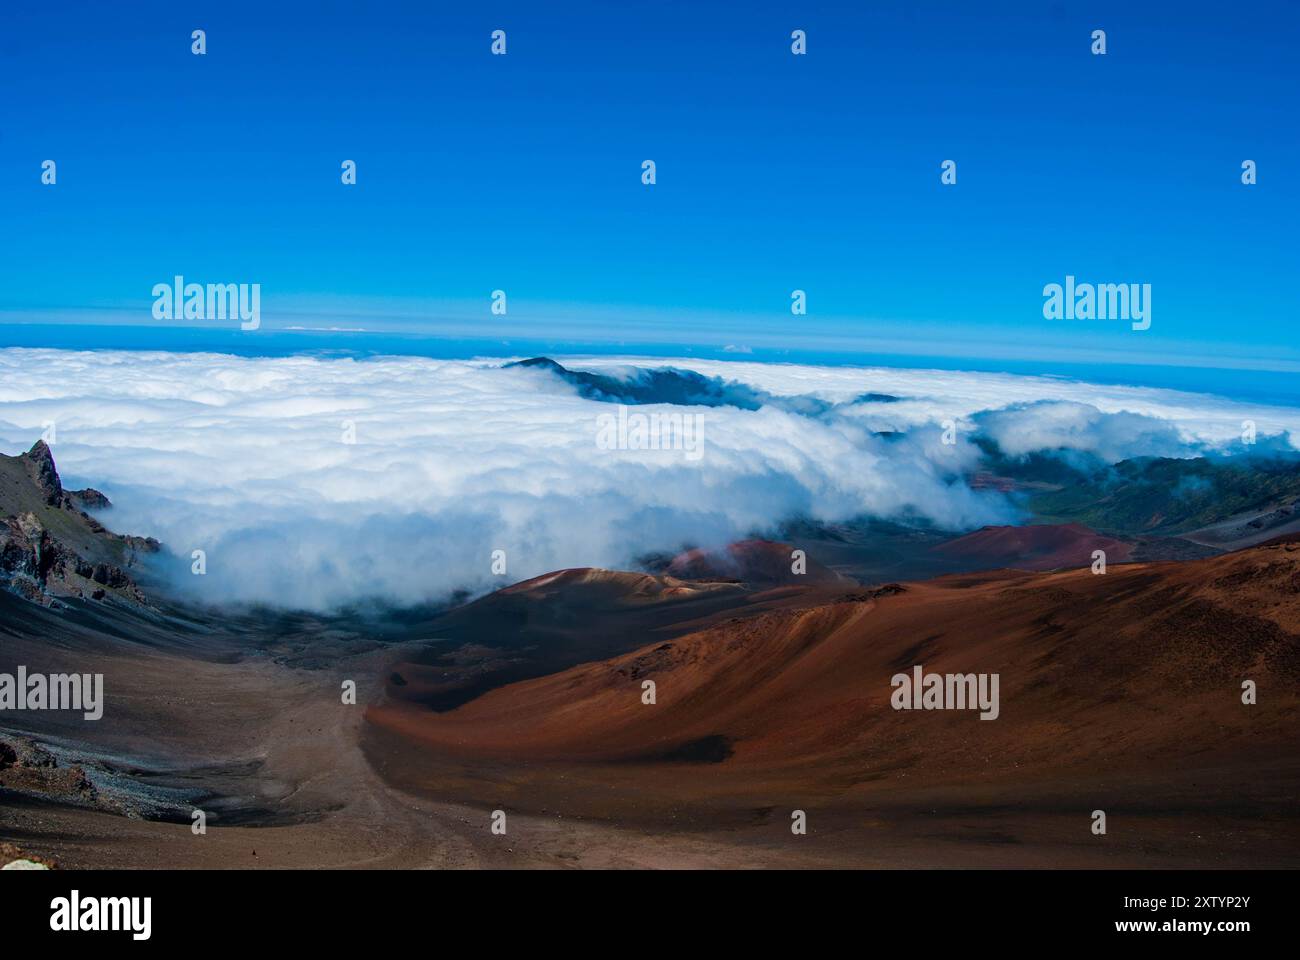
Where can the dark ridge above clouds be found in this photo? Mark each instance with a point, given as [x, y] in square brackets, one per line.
[682, 387]
[665, 385]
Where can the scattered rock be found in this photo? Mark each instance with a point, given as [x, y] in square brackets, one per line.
[14, 858]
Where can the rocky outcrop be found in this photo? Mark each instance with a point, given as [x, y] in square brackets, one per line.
[40, 464]
[28, 768]
[40, 567]
[50, 548]
[90, 499]
[53, 773]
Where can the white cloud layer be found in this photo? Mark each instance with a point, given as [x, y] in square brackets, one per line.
[246, 459]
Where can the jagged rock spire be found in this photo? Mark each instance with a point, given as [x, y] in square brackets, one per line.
[44, 473]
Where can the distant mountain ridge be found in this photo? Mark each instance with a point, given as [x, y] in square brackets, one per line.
[684, 388]
[1176, 497]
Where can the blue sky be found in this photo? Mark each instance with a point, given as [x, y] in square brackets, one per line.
[775, 172]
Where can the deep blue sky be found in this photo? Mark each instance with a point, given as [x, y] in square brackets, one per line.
[775, 172]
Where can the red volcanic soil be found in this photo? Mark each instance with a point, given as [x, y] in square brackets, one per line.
[753, 561]
[1036, 547]
[561, 619]
[1119, 691]
[617, 586]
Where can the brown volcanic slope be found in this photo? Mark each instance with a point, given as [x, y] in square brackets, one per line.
[1120, 692]
[553, 622]
[1036, 547]
[755, 561]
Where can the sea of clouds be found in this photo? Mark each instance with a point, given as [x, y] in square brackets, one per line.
[245, 459]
